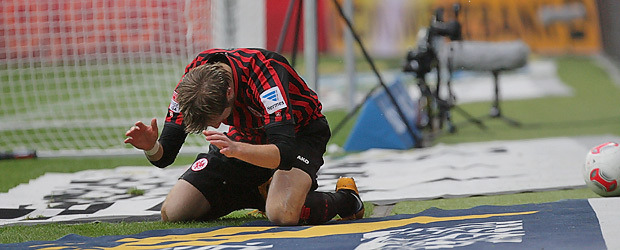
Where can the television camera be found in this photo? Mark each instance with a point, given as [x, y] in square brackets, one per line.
[423, 59]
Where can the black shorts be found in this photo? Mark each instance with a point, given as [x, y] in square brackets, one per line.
[230, 184]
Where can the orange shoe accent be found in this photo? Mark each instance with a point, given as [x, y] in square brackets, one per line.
[347, 183]
[263, 189]
[257, 214]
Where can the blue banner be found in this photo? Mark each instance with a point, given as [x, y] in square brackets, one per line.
[570, 224]
[379, 124]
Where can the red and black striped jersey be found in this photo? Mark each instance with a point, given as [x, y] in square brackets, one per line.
[268, 92]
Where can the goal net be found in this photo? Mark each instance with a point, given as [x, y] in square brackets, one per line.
[76, 74]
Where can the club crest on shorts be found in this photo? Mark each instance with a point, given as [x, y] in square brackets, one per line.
[200, 164]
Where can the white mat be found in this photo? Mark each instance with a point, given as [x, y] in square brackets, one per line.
[88, 195]
[608, 216]
[497, 167]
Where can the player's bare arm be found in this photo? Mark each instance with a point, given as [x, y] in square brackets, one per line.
[145, 137]
[267, 155]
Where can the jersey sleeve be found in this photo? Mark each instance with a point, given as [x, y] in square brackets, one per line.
[272, 93]
[173, 134]
[171, 139]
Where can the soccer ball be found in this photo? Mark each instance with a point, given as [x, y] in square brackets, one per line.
[602, 169]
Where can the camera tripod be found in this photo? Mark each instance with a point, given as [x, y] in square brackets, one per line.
[436, 110]
[422, 61]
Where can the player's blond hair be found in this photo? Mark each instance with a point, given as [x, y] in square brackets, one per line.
[202, 95]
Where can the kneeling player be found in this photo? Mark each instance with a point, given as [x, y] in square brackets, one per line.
[277, 132]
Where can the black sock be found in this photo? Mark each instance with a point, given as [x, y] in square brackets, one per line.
[351, 203]
[320, 207]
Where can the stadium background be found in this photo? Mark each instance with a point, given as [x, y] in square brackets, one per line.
[86, 70]
[67, 69]
[386, 31]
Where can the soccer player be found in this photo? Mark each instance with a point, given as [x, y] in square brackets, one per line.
[277, 134]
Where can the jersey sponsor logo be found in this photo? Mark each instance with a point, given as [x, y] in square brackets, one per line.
[200, 164]
[303, 159]
[272, 96]
[174, 105]
[272, 100]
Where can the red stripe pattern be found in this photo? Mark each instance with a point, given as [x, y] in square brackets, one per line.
[256, 71]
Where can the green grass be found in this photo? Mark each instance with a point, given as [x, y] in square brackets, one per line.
[135, 191]
[42, 232]
[411, 207]
[592, 110]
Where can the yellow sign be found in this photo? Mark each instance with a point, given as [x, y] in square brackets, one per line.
[390, 28]
[547, 26]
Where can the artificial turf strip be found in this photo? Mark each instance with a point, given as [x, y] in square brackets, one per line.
[53, 231]
[412, 207]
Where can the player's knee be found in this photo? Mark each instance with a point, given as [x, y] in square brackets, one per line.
[283, 220]
[282, 217]
[164, 216]
[166, 212]
[169, 214]
[184, 203]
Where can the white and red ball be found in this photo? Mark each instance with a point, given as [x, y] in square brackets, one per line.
[602, 169]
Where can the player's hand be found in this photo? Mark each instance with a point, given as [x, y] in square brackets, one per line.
[142, 136]
[227, 146]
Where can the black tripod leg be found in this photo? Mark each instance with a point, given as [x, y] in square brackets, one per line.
[450, 105]
[470, 118]
[511, 121]
[496, 111]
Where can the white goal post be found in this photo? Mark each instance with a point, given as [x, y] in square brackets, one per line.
[76, 74]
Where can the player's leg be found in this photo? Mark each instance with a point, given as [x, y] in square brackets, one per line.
[214, 186]
[290, 191]
[286, 197]
[320, 207]
[184, 203]
[289, 201]
[187, 201]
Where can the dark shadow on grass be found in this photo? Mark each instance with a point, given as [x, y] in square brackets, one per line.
[580, 123]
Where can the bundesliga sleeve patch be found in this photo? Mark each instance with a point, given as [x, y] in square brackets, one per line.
[272, 100]
[174, 105]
